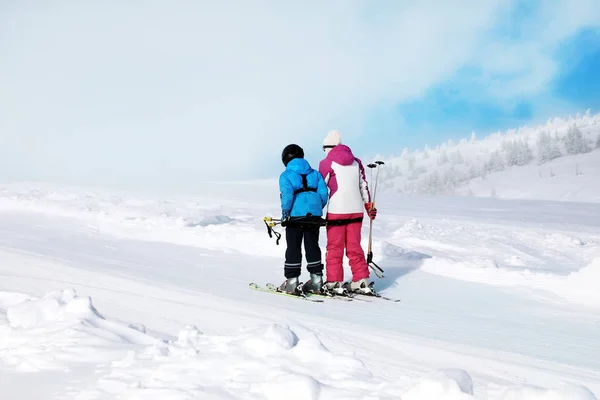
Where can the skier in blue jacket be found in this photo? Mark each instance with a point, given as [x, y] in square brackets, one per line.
[303, 194]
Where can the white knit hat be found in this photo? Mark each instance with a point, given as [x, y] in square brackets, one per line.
[333, 138]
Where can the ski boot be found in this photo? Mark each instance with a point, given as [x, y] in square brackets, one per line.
[335, 289]
[362, 287]
[315, 285]
[291, 286]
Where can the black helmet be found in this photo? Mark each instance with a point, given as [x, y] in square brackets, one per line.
[290, 152]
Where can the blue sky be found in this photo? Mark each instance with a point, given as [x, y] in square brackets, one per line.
[461, 104]
[106, 92]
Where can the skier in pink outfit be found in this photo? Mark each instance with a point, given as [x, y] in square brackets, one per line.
[349, 197]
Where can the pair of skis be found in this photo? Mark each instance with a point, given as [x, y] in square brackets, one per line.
[314, 297]
[319, 298]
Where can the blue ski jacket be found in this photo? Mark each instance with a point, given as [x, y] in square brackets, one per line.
[297, 202]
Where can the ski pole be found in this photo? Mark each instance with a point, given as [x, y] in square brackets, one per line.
[293, 221]
[270, 223]
[371, 166]
[376, 179]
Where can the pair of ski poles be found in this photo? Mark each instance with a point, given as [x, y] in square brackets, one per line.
[272, 222]
[376, 268]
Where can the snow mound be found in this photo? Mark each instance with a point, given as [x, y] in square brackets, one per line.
[60, 305]
[271, 360]
[578, 286]
[8, 299]
[57, 330]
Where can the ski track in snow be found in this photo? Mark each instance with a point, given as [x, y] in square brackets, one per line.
[478, 279]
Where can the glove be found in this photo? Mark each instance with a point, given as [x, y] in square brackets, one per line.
[285, 217]
[371, 213]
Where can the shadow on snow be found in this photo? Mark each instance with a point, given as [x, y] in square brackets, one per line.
[396, 263]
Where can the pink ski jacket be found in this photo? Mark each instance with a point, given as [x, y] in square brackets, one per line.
[345, 176]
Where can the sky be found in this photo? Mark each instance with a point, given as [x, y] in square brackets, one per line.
[176, 93]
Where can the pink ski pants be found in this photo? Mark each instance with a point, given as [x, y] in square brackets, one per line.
[348, 237]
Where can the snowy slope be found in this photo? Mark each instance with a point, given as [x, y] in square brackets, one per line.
[554, 161]
[569, 178]
[111, 295]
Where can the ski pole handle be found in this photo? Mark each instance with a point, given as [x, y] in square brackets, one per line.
[270, 221]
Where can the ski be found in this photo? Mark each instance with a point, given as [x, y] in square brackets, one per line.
[273, 289]
[376, 296]
[270, 288]
[373, 294]
[334, 296]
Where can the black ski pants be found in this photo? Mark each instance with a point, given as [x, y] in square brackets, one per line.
[294, 237]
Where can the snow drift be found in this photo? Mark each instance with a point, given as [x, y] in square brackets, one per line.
[579, 286]
[62, 330]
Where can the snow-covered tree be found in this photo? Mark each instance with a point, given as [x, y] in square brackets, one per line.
[547, 148]
[426, 152]
[452, 179]
[495, 163]
[517, 152]
[411, 160]
[474, 172]
[456, 158]
[575, 142]
[456, 162]
[443, 159]
[430, 184]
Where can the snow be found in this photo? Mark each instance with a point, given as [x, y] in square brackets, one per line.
[562, 391]
[578, 286]
[107, 294]
[569, 178]
[57, 331]
[63, 331]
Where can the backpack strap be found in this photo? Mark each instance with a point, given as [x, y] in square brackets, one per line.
[305, 187]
